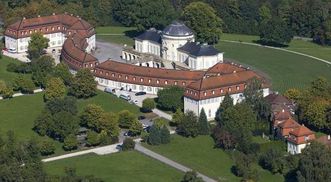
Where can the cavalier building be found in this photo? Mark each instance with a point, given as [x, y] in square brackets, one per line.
[206, 81]
[55, 27]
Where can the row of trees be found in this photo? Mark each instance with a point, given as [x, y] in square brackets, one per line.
[275, 21]
[20, 161]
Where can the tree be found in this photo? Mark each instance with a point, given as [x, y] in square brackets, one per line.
[91, 115]
[293, 94]
[275, 32]
[128, 144]
[41, 69]
[165, 135]
[83, 84]
[136, 127]
[315, 113]
[63, 125]
[244, 167]
[109, 122]
[314, 164]
[25, 85]
[171, 98]
[70, 143]
[203, 123]
[148, 105]
[46, 147]
[37, 44]
[160, 123]
[126, 118]
[62, 71]
[204, 22]
[273, 160]
[154, 137]
[320, 88]
[177, 117]
[264, 14]
[224, 139]
[5, 91]
[55, 88]
[188, 127]
[226, 103]
[135, 13]
[93, 138]
[67, 104]
[191, 176]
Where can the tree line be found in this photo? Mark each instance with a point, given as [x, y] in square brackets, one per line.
[276, 21]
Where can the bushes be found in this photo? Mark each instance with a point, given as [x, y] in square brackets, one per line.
[46, 147]
[128, 144]
[158, 136]
[24, 85]
[148, 105]
[70, 143]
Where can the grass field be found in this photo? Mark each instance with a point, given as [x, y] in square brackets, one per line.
[306, 47]
[18, 114]
[119, 167]
[285, 70]
[204, 158]
[4, 74]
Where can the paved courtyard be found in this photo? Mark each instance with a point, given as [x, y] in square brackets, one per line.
[106, 50]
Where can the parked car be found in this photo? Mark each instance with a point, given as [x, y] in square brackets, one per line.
[140, 93]
[12, 50]
[110, 90]
[126, 97]
[129, 133]
[141, 117]
[119, 147]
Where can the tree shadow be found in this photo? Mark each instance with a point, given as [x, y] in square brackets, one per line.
[270, 43]
[132, 33]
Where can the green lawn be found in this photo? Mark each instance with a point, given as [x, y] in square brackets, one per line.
[18, 114]
[285, 70]
[123, 166]
[4, 74]
[306, 47]
[114, 30]
[199, 154]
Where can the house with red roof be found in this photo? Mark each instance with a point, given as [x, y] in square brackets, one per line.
[298, 139]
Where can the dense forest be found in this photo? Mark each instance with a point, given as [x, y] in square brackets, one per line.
[304, 18]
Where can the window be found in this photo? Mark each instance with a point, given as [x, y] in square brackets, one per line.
[229, 89]
[134, 78]
[157, 81]
[166, 82]
[149, 80]
[149, 89]
[176, 82]
[205, 93]
[237, 87]
[126, 77]
[113, 74]
[119, 76]
[184, 83]
[222, 91]
[141, 80]
[213, 92]
[209, 113]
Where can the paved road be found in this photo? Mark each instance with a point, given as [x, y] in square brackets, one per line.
[99, 150]
[169, 162]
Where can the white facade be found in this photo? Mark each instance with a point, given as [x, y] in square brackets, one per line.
[293, 148]
[204, 62]
[170, 44]
[127, 86]
[211, 105]
[148, 47]
[55, 40]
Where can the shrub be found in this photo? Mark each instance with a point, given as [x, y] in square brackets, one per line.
[46, 147]
[148, 105]
[93, 138]
[165, 135]
[128, 144]
[70, 143]
[154, 137]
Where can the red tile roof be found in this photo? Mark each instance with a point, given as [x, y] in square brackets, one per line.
[301, 131]
[289, 123]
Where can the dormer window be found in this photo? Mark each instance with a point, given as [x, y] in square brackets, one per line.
[213, 92]
[134, 78]
[237, 87]
[222, 91]
[176, 82]
[166, 82]
[184, 83]
[119, 76]
[205, 93]
[229, 89]
[106, 73]
[157, 81]
[53, 28]
[141, 80]
[149, 80]
[113, 74]
[126, 77]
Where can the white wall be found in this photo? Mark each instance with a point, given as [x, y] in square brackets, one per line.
[292, 148]
[170, 45]
[127, 86]
[201, 62]
[146, 46]
[91, 43]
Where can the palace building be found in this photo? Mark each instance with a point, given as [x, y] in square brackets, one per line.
[201, 70]
[176, 43]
